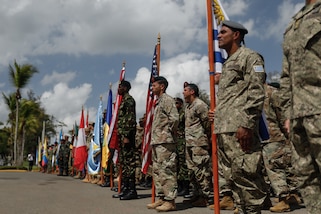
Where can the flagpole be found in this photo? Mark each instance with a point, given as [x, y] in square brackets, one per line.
[120, 174]
[158, 67]
[212, 105]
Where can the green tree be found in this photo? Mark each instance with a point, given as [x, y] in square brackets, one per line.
[20, 76]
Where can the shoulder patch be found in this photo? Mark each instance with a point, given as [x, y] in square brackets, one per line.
[258, 68]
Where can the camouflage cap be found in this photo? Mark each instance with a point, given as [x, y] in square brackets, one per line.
[235, 26]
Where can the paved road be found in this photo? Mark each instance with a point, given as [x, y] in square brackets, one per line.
[38, 193]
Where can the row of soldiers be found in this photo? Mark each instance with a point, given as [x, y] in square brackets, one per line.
[276, 153]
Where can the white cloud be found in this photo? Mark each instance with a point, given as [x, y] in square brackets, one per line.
[277, 26]
[102, 27]
[65, 103]
[190, 67]
[235, 7]
[56, 77]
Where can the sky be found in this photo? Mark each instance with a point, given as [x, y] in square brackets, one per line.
[79, 46]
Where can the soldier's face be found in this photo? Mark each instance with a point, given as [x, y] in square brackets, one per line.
[187, 94]
[156, 88]
[225, 37]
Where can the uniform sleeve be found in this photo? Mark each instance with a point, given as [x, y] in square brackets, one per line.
[285, 89]
[127, 117]
[173, 116]
[255, 78]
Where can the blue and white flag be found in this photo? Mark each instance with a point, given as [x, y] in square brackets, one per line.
[220, 55]
[94, 154]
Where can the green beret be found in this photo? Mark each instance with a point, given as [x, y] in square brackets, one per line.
[235, 26]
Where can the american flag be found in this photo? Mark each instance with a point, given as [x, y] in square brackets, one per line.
[112, 134]
[150, 104]
[220, 55]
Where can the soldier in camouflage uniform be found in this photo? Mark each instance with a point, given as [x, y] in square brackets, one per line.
[126, 126]
[164, 156]
[277, 154]
[239, 105]
[197, 132]
[300, 94]
[63, 158]
[138, 152]
[182, 171]
[50, 154]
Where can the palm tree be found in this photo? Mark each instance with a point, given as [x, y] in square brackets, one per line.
[19, 75]
[29, 124]
[11, 103]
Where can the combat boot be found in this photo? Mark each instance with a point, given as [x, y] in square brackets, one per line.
[167, 206]
[157, 203]
[132, 193]
[77, 176]
[184, 190]
[227, 203]
[282, 206]
[200, 202]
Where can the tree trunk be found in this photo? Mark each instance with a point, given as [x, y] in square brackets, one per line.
[16, 134]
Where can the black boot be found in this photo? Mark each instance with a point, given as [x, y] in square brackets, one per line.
[132, 193]
[106, 182]
[124, 189]
[184, 190]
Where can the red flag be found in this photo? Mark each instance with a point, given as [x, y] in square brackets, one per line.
[112, 134]
[81, 148]
[150, 104]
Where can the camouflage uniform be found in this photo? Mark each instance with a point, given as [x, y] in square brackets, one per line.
[182, 171]
[300, 93]
[239, 104]
[164, 125]
[138, 153]
[276, 150]
[63, 158]
[50, 153]
[197, 128]
[126, 126]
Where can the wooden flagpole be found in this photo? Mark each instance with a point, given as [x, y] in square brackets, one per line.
[212, 106]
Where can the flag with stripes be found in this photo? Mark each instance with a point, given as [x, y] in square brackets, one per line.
[150, 104]
[220, 15]
[112, 134]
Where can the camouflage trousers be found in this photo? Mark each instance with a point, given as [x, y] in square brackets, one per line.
[164, 170]
[127, 159]
[243, 171]
[306, 160]
[138, 170]
[277, 162]
[198, 163]
[182, 170]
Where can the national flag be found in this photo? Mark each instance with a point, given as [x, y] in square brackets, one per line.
[75, 135]
[150, 105]
[109, 112]
[44, 154]
[112, 134]
[81, 148]
[220, 15]
[39, 155]
[94, 154]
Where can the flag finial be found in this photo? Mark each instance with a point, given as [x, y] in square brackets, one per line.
[110, 85]
[124, 63]
[158, 38]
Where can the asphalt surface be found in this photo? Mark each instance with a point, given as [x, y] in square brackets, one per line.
[39, 193]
